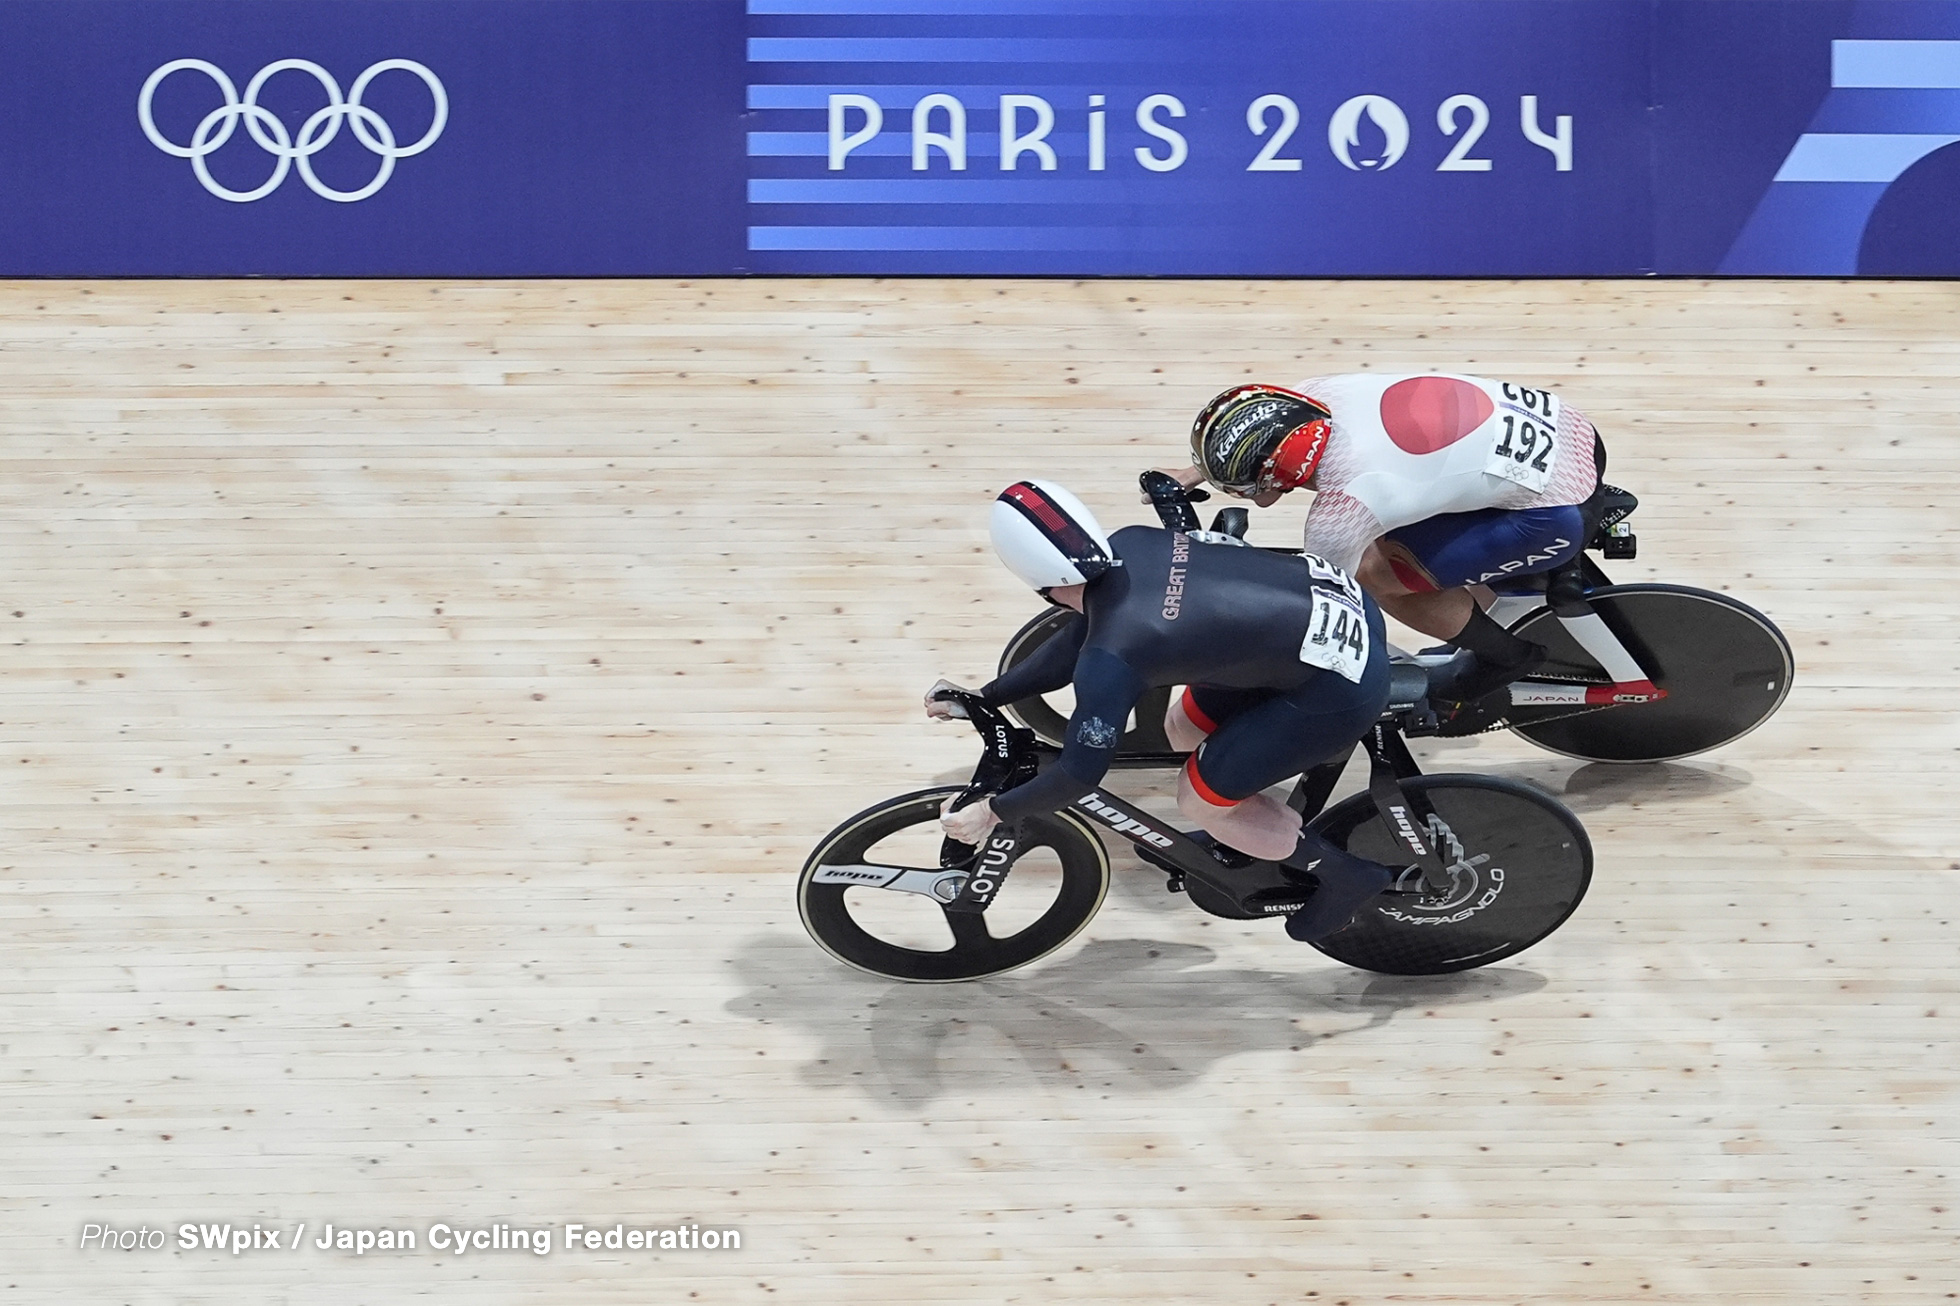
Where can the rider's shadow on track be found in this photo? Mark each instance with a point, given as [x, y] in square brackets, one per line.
[1122, 1015]
[1588, 787]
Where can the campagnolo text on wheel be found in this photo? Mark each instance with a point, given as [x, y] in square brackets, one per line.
[1287, 670]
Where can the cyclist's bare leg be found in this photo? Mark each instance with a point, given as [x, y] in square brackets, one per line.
[1260, 826]
[1257, 826]
[1184, 733]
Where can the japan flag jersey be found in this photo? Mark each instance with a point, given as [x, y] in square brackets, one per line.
[1407, 448]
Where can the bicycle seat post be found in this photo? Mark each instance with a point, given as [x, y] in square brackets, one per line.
[1311, 793]
[1565, 594]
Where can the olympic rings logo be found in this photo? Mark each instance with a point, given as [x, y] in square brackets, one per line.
[369, 127]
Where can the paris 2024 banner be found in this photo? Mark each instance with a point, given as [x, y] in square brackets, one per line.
[1009, 137]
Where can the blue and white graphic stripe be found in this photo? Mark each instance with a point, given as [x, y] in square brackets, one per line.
[1892, 103]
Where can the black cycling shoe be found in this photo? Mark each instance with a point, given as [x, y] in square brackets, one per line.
[1466, 677]
[1347, 883]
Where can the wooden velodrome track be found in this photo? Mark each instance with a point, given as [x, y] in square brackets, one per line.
[418, 700]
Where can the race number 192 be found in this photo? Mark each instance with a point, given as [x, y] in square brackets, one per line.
[1524, 437]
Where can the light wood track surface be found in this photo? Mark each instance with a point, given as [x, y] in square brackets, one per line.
[418, 700]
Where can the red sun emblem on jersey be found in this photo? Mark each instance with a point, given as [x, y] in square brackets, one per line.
[1427, 413]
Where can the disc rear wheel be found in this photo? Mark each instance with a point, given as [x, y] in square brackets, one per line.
[1518, 862]
[1725, 666]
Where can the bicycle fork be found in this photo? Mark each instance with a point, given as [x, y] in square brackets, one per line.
[1009, 760]
[1409, 818]
[1411, 821]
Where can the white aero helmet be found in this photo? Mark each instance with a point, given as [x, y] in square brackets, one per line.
[1046, 537]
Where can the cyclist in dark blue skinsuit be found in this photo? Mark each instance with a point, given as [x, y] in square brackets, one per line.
[1285, 657]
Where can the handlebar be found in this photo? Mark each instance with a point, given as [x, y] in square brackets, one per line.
[1171, 500]
[1006, 742]
[971, 702]
[1173, 504]
[1010, 759]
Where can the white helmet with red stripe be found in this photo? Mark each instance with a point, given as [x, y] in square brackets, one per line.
[1046, 537]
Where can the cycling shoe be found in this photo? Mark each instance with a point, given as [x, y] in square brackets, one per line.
[1346, 884]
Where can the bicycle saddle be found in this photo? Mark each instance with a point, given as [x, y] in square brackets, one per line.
[1606, 509]
[1232, 522]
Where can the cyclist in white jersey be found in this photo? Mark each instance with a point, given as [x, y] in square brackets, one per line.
[1423, 486]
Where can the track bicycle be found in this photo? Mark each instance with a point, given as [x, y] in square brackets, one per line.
[1491, 866]
[1635, 673]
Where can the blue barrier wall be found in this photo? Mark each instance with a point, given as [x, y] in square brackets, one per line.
[1070, 137]
[584, 138]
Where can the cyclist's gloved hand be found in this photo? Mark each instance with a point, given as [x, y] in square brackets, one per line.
[970, 824]
[945, 709]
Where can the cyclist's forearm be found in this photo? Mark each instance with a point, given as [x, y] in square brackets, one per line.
[1047, 669]
[1106, 690]
[1050, 791]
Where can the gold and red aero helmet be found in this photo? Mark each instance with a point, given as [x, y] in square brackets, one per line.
[1254, 438]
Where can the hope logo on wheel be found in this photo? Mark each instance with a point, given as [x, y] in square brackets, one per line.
[315, 134]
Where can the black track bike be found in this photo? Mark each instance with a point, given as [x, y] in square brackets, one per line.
[1491, 866]
[1695, 669]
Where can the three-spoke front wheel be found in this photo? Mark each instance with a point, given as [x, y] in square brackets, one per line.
[874, 896]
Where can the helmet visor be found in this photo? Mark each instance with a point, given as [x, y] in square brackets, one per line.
[1041, 535]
